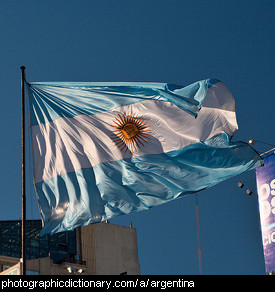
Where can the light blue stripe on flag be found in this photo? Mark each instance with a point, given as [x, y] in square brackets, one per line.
[120, 187]
[52, 100]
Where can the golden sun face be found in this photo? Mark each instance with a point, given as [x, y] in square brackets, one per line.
[131, 132]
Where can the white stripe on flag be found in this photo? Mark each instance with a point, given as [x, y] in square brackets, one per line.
[70, 144]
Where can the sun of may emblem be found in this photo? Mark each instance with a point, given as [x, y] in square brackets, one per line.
[131, 132]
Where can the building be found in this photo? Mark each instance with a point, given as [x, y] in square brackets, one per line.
[97, 249]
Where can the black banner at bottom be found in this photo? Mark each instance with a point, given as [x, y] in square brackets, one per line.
[108, 283]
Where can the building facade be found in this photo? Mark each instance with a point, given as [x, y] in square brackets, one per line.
[97, 249]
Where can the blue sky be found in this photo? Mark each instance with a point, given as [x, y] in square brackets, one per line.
[175, 41]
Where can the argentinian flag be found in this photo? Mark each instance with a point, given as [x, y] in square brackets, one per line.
[107, 149]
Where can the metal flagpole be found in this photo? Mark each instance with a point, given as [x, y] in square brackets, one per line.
[198, 232]
[23, 271]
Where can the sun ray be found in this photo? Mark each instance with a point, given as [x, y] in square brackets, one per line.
[130, 131]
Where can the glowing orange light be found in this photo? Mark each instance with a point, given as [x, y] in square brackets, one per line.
[131, 132]
[59, 211]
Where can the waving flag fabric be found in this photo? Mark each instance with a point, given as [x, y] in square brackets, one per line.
[107, 149]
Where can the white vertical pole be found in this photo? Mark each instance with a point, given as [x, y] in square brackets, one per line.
[198, 233]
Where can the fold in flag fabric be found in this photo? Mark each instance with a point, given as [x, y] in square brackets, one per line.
[107, 149]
